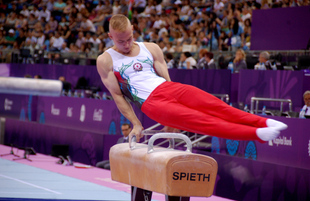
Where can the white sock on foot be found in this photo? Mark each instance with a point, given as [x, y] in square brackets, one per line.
[267, 133]
[276, 124]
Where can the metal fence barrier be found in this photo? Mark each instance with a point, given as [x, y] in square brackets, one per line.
[222, 97]
[255, 101]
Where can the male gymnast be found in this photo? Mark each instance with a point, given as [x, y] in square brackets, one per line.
[138, 71]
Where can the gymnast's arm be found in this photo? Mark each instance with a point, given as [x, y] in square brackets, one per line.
[104, 67]
[160, 64]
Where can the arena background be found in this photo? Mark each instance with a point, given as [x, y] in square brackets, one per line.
[89, 122]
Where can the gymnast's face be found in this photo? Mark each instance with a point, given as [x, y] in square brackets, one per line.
[123, 40]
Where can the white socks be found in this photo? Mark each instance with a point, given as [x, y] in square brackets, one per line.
[276, 124]
[267, 133]
[272, 130]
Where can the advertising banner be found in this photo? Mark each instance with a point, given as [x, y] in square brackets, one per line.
[18, 107]
[99, 116]
[291, 148]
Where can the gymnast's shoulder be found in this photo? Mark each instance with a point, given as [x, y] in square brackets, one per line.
[153, 48]
[151, 45]
[104, 60]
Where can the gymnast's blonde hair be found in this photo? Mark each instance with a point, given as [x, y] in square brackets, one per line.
[119, 22]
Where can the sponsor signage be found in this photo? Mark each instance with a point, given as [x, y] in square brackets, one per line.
[99, 116]
[284, 141]
[78, 113]
[18, 106]
[290, 148]
[191, 176]
[8, 104]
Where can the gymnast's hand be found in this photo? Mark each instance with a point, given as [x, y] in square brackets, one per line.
[136, 131]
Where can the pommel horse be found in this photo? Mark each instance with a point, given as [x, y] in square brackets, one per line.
[26, 86]
[176, 174]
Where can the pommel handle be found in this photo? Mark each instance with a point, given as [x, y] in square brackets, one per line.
[171, 136]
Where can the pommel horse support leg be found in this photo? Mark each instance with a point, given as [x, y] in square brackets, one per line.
[177, 174]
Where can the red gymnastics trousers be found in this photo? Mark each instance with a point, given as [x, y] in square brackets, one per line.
[188, 108]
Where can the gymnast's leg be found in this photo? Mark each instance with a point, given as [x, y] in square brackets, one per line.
[173, 114]
[212, 105]
[200, 100]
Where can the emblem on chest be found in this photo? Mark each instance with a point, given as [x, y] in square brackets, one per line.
[137, 67]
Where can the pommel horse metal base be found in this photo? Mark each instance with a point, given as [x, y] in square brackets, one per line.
[174, 173]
